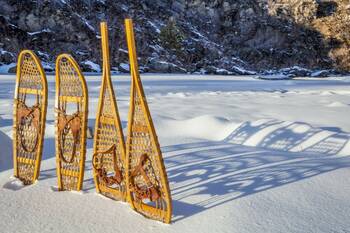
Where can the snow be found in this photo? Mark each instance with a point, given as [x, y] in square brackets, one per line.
[274, 77]
[95, 67]
[3, 52]
[320, 73]
[48, 66]
[6, 160]
[222, 71]
[38, 32]
[86, 22]
[243, 71]
[201, 37]
[156, 28]
[81, 53]
[124, 7]
[242, 155]
[45, 55]
[122, 50]
[194, 127]
[4, 68]
[337, 104]
[124, 66]
[156, 48]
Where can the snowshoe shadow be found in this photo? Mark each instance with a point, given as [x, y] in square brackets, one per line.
[89, 185]
[47, 174]
[209, 174]
[6, 158]
[291, 137]
[56, 189]
[15, 185]
[5, 122]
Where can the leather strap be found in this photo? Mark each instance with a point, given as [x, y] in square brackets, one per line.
[25, 114]
[68, 123]
[101, 172]
[151, 192]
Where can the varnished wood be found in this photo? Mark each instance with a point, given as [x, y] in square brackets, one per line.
[108, 129]
[142, 139]
[31, 80]
[71, 87]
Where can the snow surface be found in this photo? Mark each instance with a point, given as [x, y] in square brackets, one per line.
[242, 155]
[5, 68]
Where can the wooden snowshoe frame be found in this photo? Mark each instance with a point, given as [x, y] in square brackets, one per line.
[109, 146]
[147, 182]
[29, 121]
[71, 93]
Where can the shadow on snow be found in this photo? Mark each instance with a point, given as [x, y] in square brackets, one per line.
[205, 175]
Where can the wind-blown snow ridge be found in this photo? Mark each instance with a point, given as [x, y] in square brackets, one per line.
[264, 133]
[203, 127]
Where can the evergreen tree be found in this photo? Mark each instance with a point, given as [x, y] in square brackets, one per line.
[171, 36]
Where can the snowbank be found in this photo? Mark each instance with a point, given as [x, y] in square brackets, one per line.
[202, 127]
[265, 133]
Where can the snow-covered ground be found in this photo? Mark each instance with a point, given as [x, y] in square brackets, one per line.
[242, 155]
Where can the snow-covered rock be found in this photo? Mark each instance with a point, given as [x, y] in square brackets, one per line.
[5, 68]
[92, 66]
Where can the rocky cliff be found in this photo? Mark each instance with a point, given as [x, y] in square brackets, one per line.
[208, 36]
